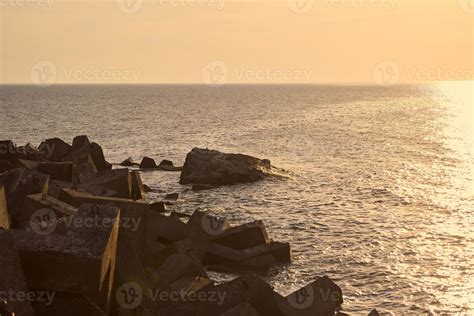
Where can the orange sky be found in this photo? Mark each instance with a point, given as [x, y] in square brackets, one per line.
[220, 41]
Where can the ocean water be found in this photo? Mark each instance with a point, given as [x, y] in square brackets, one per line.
[381, 194]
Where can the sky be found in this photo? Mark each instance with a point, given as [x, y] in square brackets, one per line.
[251, 41]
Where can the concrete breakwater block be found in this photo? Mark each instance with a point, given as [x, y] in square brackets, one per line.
[62, 171]
[244, 236]
[18, 184]
[12, 280]
[134, 214]
[38, 208]
[82, 262]
[5, 221]
[321, 297]
[164, 229]
[84, 169]
[137, 191]
[118, 180]
[55, 148]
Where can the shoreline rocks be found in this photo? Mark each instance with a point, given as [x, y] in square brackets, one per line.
[212, 167]
[72, 226]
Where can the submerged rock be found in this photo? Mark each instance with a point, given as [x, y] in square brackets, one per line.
[205, 166]
[129, 162]
[148, 163]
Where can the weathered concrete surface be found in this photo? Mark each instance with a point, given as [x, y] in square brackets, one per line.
[11, 276]
[81, 262]
[56, 148]
[61, 171]
[244, 236]
[79, 142]
[259, 259]
[248, 288]
[5, 221]
[159, 207]
[137, 189]
[164, 229]
[20, 183]
[175, 267]
[84, 169]
[134, 214]
[69, 304]
[118, 180]
[243, 309]
[322, 297]
[204, 166]
[35, 202]
[203, 226]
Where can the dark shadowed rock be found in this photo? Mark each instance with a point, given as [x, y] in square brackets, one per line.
[12, 277]
[166, 163]
[4, 216]
[137, 189]
[147, 188]
[61, 171]
[80, 142]
[374, 312]
[320, 298]
[5, 165]
[204, 166]
[55, 148]
[159, 207]
[172, 196]
[20, 183]
[148, 163]
[129, 162]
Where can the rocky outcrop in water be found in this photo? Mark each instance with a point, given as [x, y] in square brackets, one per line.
[212, 167]
[86, 238]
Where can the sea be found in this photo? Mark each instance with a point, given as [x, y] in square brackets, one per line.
[380, 196]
